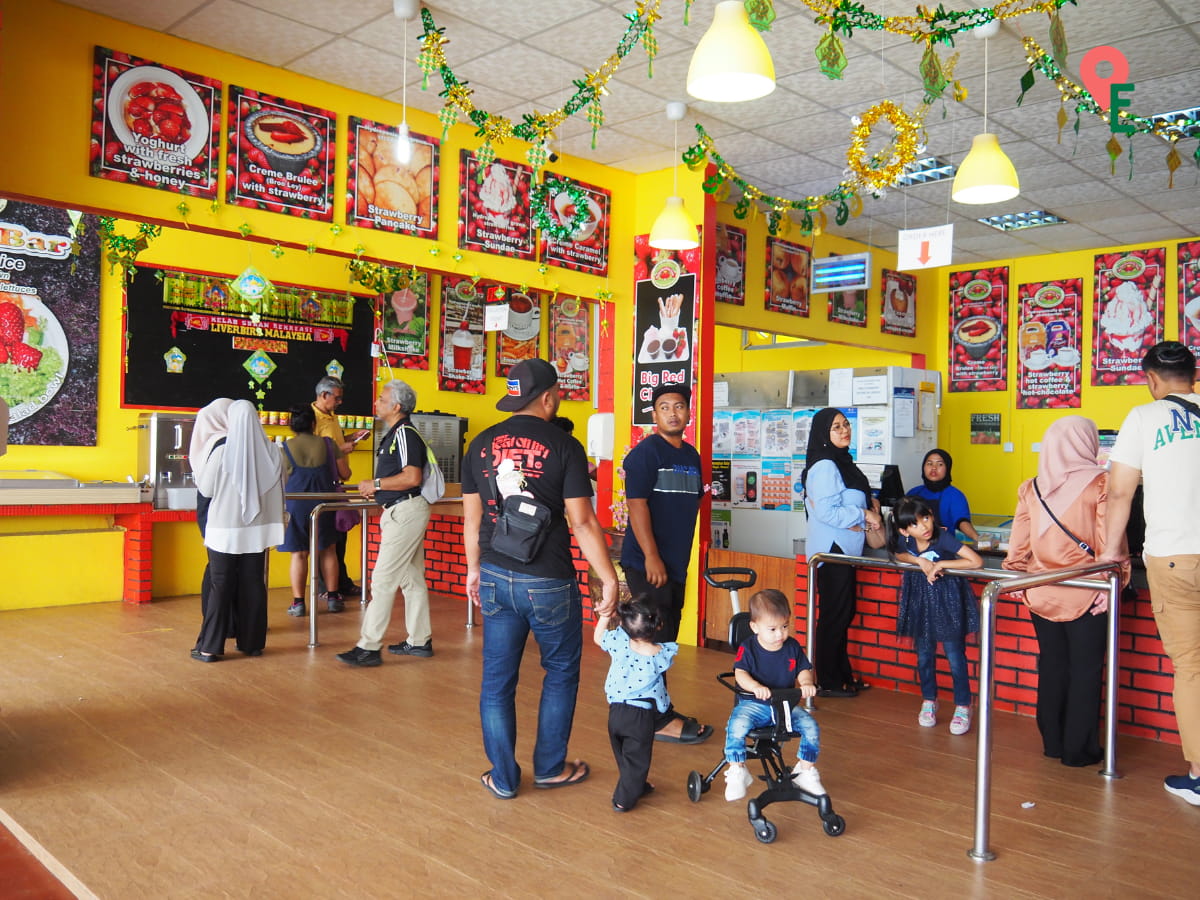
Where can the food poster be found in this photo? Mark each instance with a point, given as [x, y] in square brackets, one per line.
[720, 524]
[647, 261]
[1188, 255]
[155, 125]
[586, 249]
[49, 306]
[521, 339]
[406, 316]
[1127, 313]
[777, 433]
[1049, 344]
[985, 428]
[899, 300]
[730, 283]
[382, 191]
[775, 487]
[787, 277]
[979, 330]
[747, 429]
[664, 330]
[722, 434]
[722, 481]
[281, 155]
[493, 207]
[461, 366]
[848, 308]
[571, 346]
[746, 473]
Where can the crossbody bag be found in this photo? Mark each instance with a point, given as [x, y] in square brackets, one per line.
[522, 525]
[1083, 545]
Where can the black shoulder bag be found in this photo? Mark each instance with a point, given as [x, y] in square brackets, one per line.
[1186, 404]
[522, 525]
[1083, 545]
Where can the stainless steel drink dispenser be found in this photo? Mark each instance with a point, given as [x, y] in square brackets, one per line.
[163, 442]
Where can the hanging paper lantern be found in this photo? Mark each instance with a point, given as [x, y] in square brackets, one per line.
[251, 285]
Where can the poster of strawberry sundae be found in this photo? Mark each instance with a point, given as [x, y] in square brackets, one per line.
[1127, 312]
[1188, 255]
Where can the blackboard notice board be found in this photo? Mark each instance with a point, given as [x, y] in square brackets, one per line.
[190, 338]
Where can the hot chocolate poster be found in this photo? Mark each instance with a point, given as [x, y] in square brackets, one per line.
[571, 346]
[1049, 348]
[1127, 312]
[1189, 295]
[979, 330]
[521, 339]
[730, 283]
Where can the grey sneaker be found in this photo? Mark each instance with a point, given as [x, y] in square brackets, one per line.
[364, 659]
[297, 609]
[404, 648]
[334, 602]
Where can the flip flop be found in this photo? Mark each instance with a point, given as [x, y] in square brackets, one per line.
[573, 777]
[499, 793]
[692, 732]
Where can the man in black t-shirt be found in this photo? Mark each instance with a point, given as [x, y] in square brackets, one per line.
[526, 454]
[399, 472]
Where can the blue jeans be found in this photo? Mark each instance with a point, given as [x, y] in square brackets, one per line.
[956, 655]
[512, 605]
[751, 714]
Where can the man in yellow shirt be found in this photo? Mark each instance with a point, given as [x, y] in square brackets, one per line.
[329, 398]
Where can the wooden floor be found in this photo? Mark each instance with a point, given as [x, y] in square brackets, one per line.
[147, 774]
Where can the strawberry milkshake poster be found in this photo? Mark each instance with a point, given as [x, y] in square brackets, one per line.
[405, 318]
[1128, 314]
[1049, 349]
[979, 330]
[1188, 254]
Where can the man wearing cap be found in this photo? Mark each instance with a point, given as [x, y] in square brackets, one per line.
[663, 489]
[526, 454]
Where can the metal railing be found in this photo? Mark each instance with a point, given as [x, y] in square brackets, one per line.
[1001, 582]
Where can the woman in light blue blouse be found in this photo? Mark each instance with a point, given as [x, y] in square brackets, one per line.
[837, 498]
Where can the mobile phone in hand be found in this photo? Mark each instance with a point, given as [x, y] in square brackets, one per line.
[360, 436]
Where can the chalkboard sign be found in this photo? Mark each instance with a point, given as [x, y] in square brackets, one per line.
[193, 338]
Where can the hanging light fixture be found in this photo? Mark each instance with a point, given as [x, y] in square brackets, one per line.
[405, 10]
[731, 63]
[987, 175]
[674, 229]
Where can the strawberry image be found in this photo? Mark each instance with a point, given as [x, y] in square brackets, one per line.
[3, 354]
[12, 324]
[25, 357]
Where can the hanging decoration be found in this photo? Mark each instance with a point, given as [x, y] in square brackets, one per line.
[938, 25]
[541, 198]
[761, 13]
[123, 251]
[535, 127]
[381, 279]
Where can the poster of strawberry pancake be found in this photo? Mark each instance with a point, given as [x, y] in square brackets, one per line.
[390, 186]
[1127, 312]
[571, 346]
[493, 207]
[461, 365]
[979, 330]
[154, 125]
[1049, 345]
[281, 155]
[1188, 255]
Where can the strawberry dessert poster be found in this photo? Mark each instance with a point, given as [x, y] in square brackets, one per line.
[979, 330]
[1189, 295]
[1128, 313]
[1049, 349]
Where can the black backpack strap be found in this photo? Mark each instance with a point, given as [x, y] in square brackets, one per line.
[1083, 545]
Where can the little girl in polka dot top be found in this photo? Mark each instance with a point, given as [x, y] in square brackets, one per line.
[636, 693]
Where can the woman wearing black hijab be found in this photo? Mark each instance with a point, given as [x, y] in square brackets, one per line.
[840, 511]
[948, 503]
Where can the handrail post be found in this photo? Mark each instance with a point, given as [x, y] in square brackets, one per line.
[364, 597]
[811, 614]
[1110, 692]
[983, 756]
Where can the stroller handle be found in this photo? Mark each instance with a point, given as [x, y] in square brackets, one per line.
[749, 576]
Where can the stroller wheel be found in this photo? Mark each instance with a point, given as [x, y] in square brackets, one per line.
[834, 825]
[765, 832]
[695, 786]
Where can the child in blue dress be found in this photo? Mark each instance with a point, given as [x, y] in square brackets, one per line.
[935, 609]
[770, 659]
[636, 693]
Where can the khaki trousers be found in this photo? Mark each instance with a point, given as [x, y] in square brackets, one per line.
[400, 566]
[1175, 599]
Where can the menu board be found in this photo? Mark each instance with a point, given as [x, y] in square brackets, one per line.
[154, 125]
[1127, 313]
[586, 250]
[979, 330]
[730, 283]
[522, 338]
[1049, 344]
[898, 297]
[571, 346]
[405, 322]
[383, 192]
[787, 277]
[281, 155]
[493, 207]
[463, 351]
[49, 306]
[1188, 255]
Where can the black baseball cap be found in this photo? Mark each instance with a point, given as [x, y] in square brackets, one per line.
[681, 389]
[526, 380]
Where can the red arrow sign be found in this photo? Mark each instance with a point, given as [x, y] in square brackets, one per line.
[923, 256]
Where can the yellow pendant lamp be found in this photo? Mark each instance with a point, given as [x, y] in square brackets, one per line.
[987, 175]
[674, 229]
[731, 63]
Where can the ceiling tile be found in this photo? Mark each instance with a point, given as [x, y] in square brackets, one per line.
[543, 14]
[158, 16]
[537, 71]
[466, 39]
[258, 35]
[334, 16]
[354, 65]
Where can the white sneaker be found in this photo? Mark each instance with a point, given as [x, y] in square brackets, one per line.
[928, 716]
[961, 723]
[808, 780]
[737, 780]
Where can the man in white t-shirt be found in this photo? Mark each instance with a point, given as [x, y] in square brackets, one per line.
[1160, 442]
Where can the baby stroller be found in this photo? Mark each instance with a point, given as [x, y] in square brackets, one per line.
[766, 743]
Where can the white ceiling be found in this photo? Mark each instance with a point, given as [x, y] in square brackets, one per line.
[520, 55]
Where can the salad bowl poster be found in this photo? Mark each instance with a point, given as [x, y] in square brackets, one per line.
[463, 351]
[154, 125]
[730, 283]
[1049, 349]
[281, 155]
[1188, 254]
[979, 330]
[49, 304]
[586, 250]
[1127, 313]
[787, 277]
[405, 324]
[493, 207]
[571, 346]
[384, 193]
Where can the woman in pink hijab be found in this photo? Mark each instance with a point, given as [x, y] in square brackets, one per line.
[1071, 623]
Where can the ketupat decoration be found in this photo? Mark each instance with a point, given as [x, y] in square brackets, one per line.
[123, 251]
[936, 25]
[541, 198]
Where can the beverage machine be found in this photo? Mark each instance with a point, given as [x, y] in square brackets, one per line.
[163, 442]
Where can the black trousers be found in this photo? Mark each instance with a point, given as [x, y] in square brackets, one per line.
[631, 733]
[836, 606]
[1070, 683]
[236, 594]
